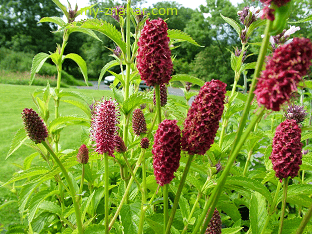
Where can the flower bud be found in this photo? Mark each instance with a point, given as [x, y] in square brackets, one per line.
[297, 113]
[138, 122]
[34, 125]
[83, 154]
[214, 226]
[145, 143]
[163, 95]
[120, 144]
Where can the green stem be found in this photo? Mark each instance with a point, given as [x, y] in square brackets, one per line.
[178, 194]
[247, 162]
[165, 195]
[304, 221]
[106, 184]
[127, 190]
[272, 208]
[70, 184]
[283, 205]
[238, 139]
[143, 208]
[131, 172]
[158, 107]
[81, 183]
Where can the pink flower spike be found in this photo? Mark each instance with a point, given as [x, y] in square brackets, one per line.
[104, 126]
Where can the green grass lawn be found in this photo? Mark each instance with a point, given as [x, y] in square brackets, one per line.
[13, 99]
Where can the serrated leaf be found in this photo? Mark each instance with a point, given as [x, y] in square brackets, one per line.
[107, 29]
[247, 183]
[74, 94]
[99, 194]
[253, 26]
[156, 226]
[36, 201]
[184, 208]
[233, 23]
[50, 207]
[7, 203]
[63, 121]
[257, 213]
[105, 69]
[294, 190]
[181, 36]
[35, 171]
[89, 32]
[95, 229]
[85, 9]
[17, 141]
[37, 63]
[133, 101]
[86, 205]
[306, 135]
[24, 196]
[28, 160]
[118, 95]
[56, 20]
[84, 107]
[188, 78]
[231, 230]
[247, 66]
[129, 217]
[81, 63]
[62, 7]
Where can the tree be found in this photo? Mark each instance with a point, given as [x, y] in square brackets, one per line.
[19, 28]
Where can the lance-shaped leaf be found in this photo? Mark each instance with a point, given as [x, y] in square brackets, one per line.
[89, 32]
[257, 213]
[233, 23]
[253, 26]
[107, 29]
[105, 69]
[187, 78]
[56, 20]
[17, 141]
[62, 7]
[64, 121]
[37, 63]
[81, 63]
[175, 34]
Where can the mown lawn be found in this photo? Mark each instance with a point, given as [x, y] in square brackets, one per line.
[13, 99]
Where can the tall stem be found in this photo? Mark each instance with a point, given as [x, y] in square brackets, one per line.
[178, 194]
[70, 184]
[238, 141]
[106, 184]
[81, 183]
[247, 162]
[143, 209]
[304, 221]
[127, 190]
[165, 195]
[283, 205]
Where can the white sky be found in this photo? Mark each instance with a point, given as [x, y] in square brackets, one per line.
[186, 3]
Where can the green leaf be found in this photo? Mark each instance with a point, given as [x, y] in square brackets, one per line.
[24, 196]
[231, 230]
[36, 201]
[129, 217]
[7, 203]
[107, 29]
[63, 121]
[99, 194]
[56, 20]
[188, 78]
[226, 205]
[95, 229]
[28, 160]
[252, 185]
[37, 63]
[133, 101]
[62, 7]
[253, 26]
[83, 106]
[118, 95]
[233, 23]
[85, 9]
[184, 208]
[17, 141]
[156, 226]
[306, 135]
[296, 190]
[105, 69]
[50, 207]
[81, 96]
[81, 63]
[89, 32]
[308, 18]
[257, 213]
[86, 205]
[181, 36]
[247, 66]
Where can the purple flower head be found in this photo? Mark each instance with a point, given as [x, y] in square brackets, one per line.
[144, 143]
[202, 121]
[287, 149]
[104, 126]
[297, 113]
[138, 122]
[117, 11]
[34, 125]
[166, 151]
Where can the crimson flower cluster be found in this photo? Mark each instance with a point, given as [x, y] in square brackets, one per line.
[202, 121]
[283, 71]
[153, 60]
[287, 149]
[214, 226]
[144, 143]
[163, 95]
[120, 144]
[83, 154]
[138, 122]
[104, 126]
[34, 125]
[166, 151]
